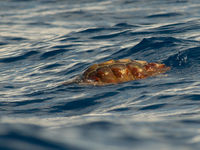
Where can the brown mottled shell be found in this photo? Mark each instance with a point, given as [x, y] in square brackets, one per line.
[122, 70]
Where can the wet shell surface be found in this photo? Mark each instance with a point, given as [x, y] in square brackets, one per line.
[122, 70]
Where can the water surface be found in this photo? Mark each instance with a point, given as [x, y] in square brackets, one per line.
[44, 43]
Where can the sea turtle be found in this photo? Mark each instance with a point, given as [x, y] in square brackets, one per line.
[118, 71]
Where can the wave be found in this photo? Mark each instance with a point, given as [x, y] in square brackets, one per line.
[154, 45]
[81, 105]
[18, 58]
[53, 53]
[161, 15]
[185, 58]
[169, 50]
[109, 36]
[22, 134]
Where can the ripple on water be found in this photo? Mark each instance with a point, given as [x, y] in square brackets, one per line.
[46, 43]
[18, 58]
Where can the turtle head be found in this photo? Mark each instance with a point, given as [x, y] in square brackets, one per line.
[156, 68]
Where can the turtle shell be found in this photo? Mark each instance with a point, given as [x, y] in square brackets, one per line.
[122, 70]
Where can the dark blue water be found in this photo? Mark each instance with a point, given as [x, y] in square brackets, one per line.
[44, 43]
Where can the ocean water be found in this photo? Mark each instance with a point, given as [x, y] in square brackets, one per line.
[44, 43]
